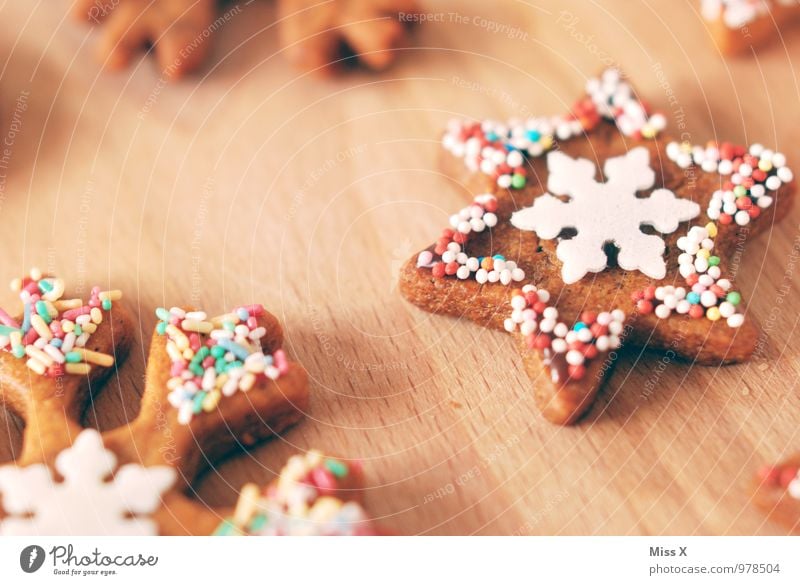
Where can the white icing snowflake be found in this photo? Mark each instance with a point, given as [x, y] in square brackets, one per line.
[85, 502]
[605, 212]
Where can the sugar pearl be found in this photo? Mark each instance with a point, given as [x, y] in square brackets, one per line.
[551, 313]
[736, 320]
[708, 299]
[574, 358]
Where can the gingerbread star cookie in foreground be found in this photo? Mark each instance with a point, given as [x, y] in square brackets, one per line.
[742, 25]
[212, 384]
[591, 228]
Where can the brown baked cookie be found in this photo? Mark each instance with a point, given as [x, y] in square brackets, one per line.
[315, 35]
[323, 36]
[212, 385]
[584, 219]
[739, 26]
[776, 492]
[179, 31]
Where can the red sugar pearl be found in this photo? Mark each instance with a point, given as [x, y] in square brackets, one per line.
[725, 219]
[717, 290]
[490, 205]
[754, 212]
[460, 238]
[692, 279]
[696, 311]
[539, 307]
[650, 293]
[541, 341]
[598, 330]
[576, 372]
[588, 317]
[451, 268]
[769, 474]
[644, 307]
[590, 352]
[744, 203]
[438, 270]
[576, 345]
[787, 475]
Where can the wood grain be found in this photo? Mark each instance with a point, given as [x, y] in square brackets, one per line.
[251, 182]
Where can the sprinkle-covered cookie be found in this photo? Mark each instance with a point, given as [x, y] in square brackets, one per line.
[598, 214]
[315, 495]
[739, 26]
[212, 385]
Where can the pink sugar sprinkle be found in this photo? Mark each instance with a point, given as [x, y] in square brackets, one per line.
[280, 361]
[252, 323]
[30, 336]
[73, 314]
[208, 362]
[32, 287]
[254, 310]
[6, 319]
[177, 368]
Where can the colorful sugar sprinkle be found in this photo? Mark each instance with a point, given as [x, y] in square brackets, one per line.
[566, 349]
[214, 358]
[449, 257]
[750, 177]
[499, 149]
[54, 331]
[304, 500]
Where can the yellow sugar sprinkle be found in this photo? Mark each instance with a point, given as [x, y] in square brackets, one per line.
[95, 357]
[110, 295]
[41, 327]
[247, 503]
[36, 366]
[67, 304]
[79, 369]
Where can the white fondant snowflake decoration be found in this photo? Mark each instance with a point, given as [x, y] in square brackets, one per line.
[605, 212]
[86, 502]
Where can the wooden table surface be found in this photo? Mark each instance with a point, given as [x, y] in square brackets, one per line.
[251, 182]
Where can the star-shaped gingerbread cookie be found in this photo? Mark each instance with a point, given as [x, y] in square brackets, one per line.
[212, 385]
[592, 228]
